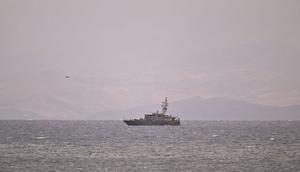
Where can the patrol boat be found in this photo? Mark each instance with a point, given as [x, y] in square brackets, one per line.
[156, 118]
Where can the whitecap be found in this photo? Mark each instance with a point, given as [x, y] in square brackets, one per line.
[41, 138]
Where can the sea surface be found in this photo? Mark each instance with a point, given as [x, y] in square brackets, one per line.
[251, 146]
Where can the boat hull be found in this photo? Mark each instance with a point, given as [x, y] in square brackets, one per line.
[151, 123]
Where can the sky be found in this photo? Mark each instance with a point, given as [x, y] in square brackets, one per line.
[126, 53]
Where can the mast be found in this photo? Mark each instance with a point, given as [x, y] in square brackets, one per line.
[164, 106]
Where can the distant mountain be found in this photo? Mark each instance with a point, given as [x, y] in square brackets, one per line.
[15, 114]
[39, 108]
[198, 108]
[195, 108]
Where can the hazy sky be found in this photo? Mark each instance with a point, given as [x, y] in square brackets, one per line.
[122, 53]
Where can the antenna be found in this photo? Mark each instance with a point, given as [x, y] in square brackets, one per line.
[164, 106]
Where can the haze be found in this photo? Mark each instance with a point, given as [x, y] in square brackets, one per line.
[121, 54]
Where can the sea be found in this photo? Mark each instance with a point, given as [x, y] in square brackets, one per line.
[200, 146]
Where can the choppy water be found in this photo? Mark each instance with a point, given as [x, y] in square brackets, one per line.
[113, 146]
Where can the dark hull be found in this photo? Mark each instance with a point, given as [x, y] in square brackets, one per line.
[151, 123]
